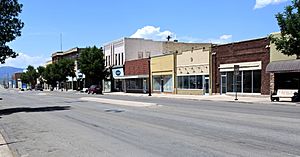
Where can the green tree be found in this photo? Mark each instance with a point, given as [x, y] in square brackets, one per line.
[41, 71]
[30, 76]
[66, 68]
[289, 22]
[51, 75]
[10, 27]
[58, 72]
[91, 64]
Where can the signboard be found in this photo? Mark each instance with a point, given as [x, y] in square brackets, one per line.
[236, 70]
[118, 72]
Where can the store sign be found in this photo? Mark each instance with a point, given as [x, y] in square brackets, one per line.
[118, 72]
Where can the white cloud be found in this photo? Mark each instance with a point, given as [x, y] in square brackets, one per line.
[154, 33]
[23, 60]
[225, 37]
[262, 3]
[151, 32]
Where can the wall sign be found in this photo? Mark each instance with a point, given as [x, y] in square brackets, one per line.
[118, 72]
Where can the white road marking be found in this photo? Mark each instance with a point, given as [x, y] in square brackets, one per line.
[119, 102]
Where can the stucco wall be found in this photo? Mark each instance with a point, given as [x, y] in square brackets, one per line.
[276, 55]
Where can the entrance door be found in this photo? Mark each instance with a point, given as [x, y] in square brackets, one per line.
[223, 84]
[206, 85]
[162, 84]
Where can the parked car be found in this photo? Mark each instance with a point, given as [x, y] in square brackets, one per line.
[94, 89]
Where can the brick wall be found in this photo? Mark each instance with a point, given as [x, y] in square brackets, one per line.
[245, 51]
[137, 67]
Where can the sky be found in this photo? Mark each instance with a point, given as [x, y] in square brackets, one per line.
[83, 23]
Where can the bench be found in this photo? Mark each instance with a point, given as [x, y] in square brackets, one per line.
[284, 93]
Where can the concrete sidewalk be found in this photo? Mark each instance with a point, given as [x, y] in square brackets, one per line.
[259, 99]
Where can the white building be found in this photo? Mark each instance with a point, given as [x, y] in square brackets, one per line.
[126, 49]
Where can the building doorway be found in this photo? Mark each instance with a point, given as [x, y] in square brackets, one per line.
[206, 85]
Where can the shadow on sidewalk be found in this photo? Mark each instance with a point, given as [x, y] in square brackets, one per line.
[29, 109]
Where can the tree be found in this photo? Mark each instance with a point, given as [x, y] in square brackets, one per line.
[30, 76]
[10, 27]
[41, 71]
[289, 22]
[91, 64]
[51, 75]
[58, 72]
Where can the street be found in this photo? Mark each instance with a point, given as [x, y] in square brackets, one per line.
[53, 124]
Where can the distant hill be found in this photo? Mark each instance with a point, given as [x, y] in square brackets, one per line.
[7, 71]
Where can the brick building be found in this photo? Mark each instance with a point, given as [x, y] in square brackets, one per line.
[137, 74]
[252, 56]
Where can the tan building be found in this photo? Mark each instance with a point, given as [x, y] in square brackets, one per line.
[192, 69]
[284, 70]
[163, 74]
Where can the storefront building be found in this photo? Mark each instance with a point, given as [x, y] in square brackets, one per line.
[136, 76]
[192, 69]
[284, 70]
[252, 58]
[163, 74]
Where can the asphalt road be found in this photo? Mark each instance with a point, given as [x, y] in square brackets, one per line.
[60, 124]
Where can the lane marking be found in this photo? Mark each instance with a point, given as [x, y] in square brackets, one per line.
[119, 102]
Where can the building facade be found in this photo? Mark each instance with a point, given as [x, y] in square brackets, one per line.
[252, 58]
[79, 81]
[163, 74]
[128, 51]
[193, 71]
[284, 70]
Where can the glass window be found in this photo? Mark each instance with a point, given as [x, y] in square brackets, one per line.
[199, 81]
[239, 82]
[186, 82]
[257, 81]
[179, 82]
[192, 82]
[230, 82]
[168, 84]
[156, 83]
[247, 81]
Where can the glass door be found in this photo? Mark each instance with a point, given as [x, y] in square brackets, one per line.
[206, 85]
[223, 84]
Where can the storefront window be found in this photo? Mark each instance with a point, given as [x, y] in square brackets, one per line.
[199, 82]
[186, 82]
[256, 81]
[247, 81]
[156, 83]
[168, 84]
[230, 82]
[134, 84]
[179, 82]
[192, 82]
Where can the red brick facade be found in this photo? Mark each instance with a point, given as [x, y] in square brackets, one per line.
[137, 67]
[245, 51]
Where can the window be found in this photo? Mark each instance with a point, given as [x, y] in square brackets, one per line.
[156, 83]
[247, 81]
[256, 81]
[199, 81]
[230, 82]
[122, 58]
[190, 82]
[119, 59]
[116, 59]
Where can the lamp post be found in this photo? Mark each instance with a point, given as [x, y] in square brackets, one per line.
[149, 80]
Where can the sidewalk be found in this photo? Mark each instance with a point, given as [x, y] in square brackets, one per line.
[259, 99]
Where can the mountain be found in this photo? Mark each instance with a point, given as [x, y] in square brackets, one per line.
[7, 71]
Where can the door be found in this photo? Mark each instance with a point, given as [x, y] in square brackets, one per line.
[206, 85]
[162, 84]
[223, 84]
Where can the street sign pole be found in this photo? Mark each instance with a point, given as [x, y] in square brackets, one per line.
[236, 73]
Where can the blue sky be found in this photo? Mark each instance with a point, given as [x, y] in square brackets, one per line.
[93, 22]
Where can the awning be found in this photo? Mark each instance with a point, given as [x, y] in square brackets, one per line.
[284, 66]
[131, 77]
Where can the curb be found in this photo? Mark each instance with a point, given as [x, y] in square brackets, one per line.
[4, 149]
